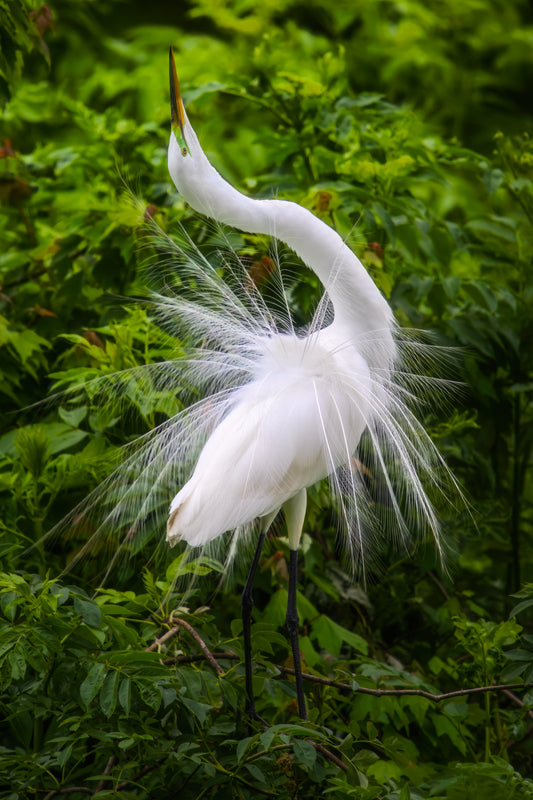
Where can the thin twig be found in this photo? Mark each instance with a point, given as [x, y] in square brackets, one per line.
[516, 700]
[329, 755]
[505, 688]
[529, 731]
[437, 698]
[158, 642]
[107, 770]
[172, 632]
[229, 656]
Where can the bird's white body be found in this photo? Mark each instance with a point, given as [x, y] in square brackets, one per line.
[266, 412]
[310, 398]
[300, 418]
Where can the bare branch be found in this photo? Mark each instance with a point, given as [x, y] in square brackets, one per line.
[225, 654]
[162, 639]
[516, 699]
[172, 632]
[329, 755]
[437, 698]
[107, 770]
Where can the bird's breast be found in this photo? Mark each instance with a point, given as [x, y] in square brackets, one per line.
[322, 383]
[288, 357]
[299, 419]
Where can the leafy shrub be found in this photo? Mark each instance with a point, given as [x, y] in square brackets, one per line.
[312, 110]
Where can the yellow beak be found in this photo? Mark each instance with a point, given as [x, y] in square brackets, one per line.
[177, 112]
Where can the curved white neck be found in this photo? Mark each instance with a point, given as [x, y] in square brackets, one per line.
[360, 309]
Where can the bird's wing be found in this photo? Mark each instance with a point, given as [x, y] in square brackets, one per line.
[276, 441]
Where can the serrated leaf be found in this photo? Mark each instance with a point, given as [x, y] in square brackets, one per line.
[124, 694]
[92, 684]
[17, 664]
[108, 693]
[150, 694]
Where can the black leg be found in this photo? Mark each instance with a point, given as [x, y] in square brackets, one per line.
[247, 602]
[292, 627]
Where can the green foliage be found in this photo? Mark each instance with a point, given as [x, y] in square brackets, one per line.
[22, 30]
[313, 109]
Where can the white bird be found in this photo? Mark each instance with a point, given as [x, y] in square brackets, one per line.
[306, 401]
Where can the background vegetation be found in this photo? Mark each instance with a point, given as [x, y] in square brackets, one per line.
[406, 126]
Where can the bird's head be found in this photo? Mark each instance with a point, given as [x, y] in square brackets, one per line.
[187, 163]
[194, 177]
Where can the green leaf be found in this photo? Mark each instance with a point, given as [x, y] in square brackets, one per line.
[64, 755]
[73, 416]
[483, 228]
[62, 436]
[493, 179]
[519, 655]
[200, 710]
[456, 708]
[304, 753]
[257, 774]
[386, 221]
[18, 665]
[405, 793]
[150, 694]
[243, 746]
[266, 738]
[276, 608]
[108, 693]
[124, 694]
[445, 727]
[125, 744]
[331, 636]
[513, 671]
[90, 612]
[92, 684]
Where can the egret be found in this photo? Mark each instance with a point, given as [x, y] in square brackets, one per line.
[307, 399]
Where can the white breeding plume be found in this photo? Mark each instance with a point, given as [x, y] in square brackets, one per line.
[268, 411]
[306, 400]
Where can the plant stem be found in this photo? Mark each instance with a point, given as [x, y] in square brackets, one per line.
[487, 727]
[515, 498]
